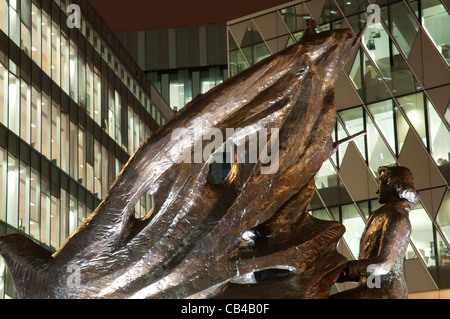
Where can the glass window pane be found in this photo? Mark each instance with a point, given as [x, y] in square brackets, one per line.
[97, 96]
[260, 52]
[25, 111]
[4, 16]
[443, 216]
[439, 141]
[65, 142]
[377, 151]
[353, 120]
[45, 211]
[55, 138]
[320, 214]
[24, 198]
[12, 209]
[422, 234]
[35, 201]
[65, 70]
[414, 108]
[404, 27]
[81, 156]
[354, 226]
[383, 113]
[46, 125]
[3, 94]
[46, 43]
[73, 162]
[56, 54]
[14, 102]
[436, 21]
[3, 182]
[14, 26]
[295, 17]
[394, 70]
[35, 119]
[402, 129]
[97, 169]
[81, 78]
[36, 51]
[73, 71]
[54, 222]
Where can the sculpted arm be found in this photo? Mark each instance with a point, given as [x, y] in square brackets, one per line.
[395, 236]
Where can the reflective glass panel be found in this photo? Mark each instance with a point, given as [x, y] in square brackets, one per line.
[443, 216]
[439, 141]
[354, 122]
[422, 234]
[377, 151]
[383, 113]
[403, 26]
[436, 21]
[354, 226]
[414, 108]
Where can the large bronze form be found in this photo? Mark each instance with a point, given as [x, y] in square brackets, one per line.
[379, 269]
[249, 236]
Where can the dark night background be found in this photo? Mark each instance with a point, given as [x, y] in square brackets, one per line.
[139, 15]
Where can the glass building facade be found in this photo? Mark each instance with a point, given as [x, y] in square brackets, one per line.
[181, 62]
[73, 107]
[397, 88]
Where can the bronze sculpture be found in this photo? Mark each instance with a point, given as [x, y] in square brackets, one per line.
[203, 240]
[384, 241]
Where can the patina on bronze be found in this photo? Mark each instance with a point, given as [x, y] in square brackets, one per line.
[384, 241]
[204, 240]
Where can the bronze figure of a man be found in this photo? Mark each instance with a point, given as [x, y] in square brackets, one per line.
[379, 269]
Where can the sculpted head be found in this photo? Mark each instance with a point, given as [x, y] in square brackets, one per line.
[396, 182]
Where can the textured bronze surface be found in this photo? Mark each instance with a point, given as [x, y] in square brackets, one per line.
[204, 240]
[384, 241]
